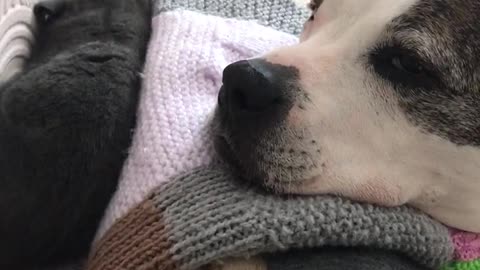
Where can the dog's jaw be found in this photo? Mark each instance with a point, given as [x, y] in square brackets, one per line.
[445, 185]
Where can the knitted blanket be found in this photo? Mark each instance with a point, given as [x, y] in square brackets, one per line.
[203, 216]
[17, 33]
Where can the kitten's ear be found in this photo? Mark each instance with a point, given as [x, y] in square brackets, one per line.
[47, 10]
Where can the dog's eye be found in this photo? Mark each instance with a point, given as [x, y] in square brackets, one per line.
[403, 67]
[313, 6]
[407, 63]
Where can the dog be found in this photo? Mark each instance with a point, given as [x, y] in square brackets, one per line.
[66, 126]
[379, 102]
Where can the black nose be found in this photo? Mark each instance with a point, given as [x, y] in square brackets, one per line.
[47, 10]
[249, 86]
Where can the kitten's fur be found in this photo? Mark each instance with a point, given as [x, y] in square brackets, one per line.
[65, 127]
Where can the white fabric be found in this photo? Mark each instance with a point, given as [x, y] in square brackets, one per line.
[17, 28]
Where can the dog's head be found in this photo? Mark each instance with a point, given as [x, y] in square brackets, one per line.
[379, 102]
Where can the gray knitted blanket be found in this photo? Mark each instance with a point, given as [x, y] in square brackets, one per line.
[206, 215]
[282, 15]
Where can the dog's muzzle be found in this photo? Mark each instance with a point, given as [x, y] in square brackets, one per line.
[253, 107]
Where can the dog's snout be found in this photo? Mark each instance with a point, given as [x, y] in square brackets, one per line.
[250, 88]
[47, 10]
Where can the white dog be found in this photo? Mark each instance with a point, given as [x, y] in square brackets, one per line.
[379, 102]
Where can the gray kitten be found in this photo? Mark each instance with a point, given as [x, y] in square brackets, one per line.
[65, 126]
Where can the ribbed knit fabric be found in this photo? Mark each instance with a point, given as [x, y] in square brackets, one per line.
[282, 15]
[178, 227]
[205, 215]
[17, 31]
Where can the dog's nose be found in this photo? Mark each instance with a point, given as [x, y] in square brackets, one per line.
[47, 10]
[249, 87]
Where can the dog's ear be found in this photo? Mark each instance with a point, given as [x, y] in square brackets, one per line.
[46, 11]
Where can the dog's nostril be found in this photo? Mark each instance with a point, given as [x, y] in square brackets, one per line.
[254, 99]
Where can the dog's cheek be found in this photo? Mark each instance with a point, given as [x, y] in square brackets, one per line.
[377, 191]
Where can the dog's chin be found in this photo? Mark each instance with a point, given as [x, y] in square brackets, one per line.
[230, 157]
[226, 153]
[251, 168]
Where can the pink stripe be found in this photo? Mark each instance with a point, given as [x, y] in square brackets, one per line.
[467, 245]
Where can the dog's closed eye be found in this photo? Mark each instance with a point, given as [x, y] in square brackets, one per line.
[403, 67]
[407, 63]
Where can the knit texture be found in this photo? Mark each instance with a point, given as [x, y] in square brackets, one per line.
[467, 251]
[204, 216]
[17, 33]
[282, 15]
[467, 245]
[459, 265]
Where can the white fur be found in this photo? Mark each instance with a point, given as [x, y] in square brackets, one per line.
[370, 151]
